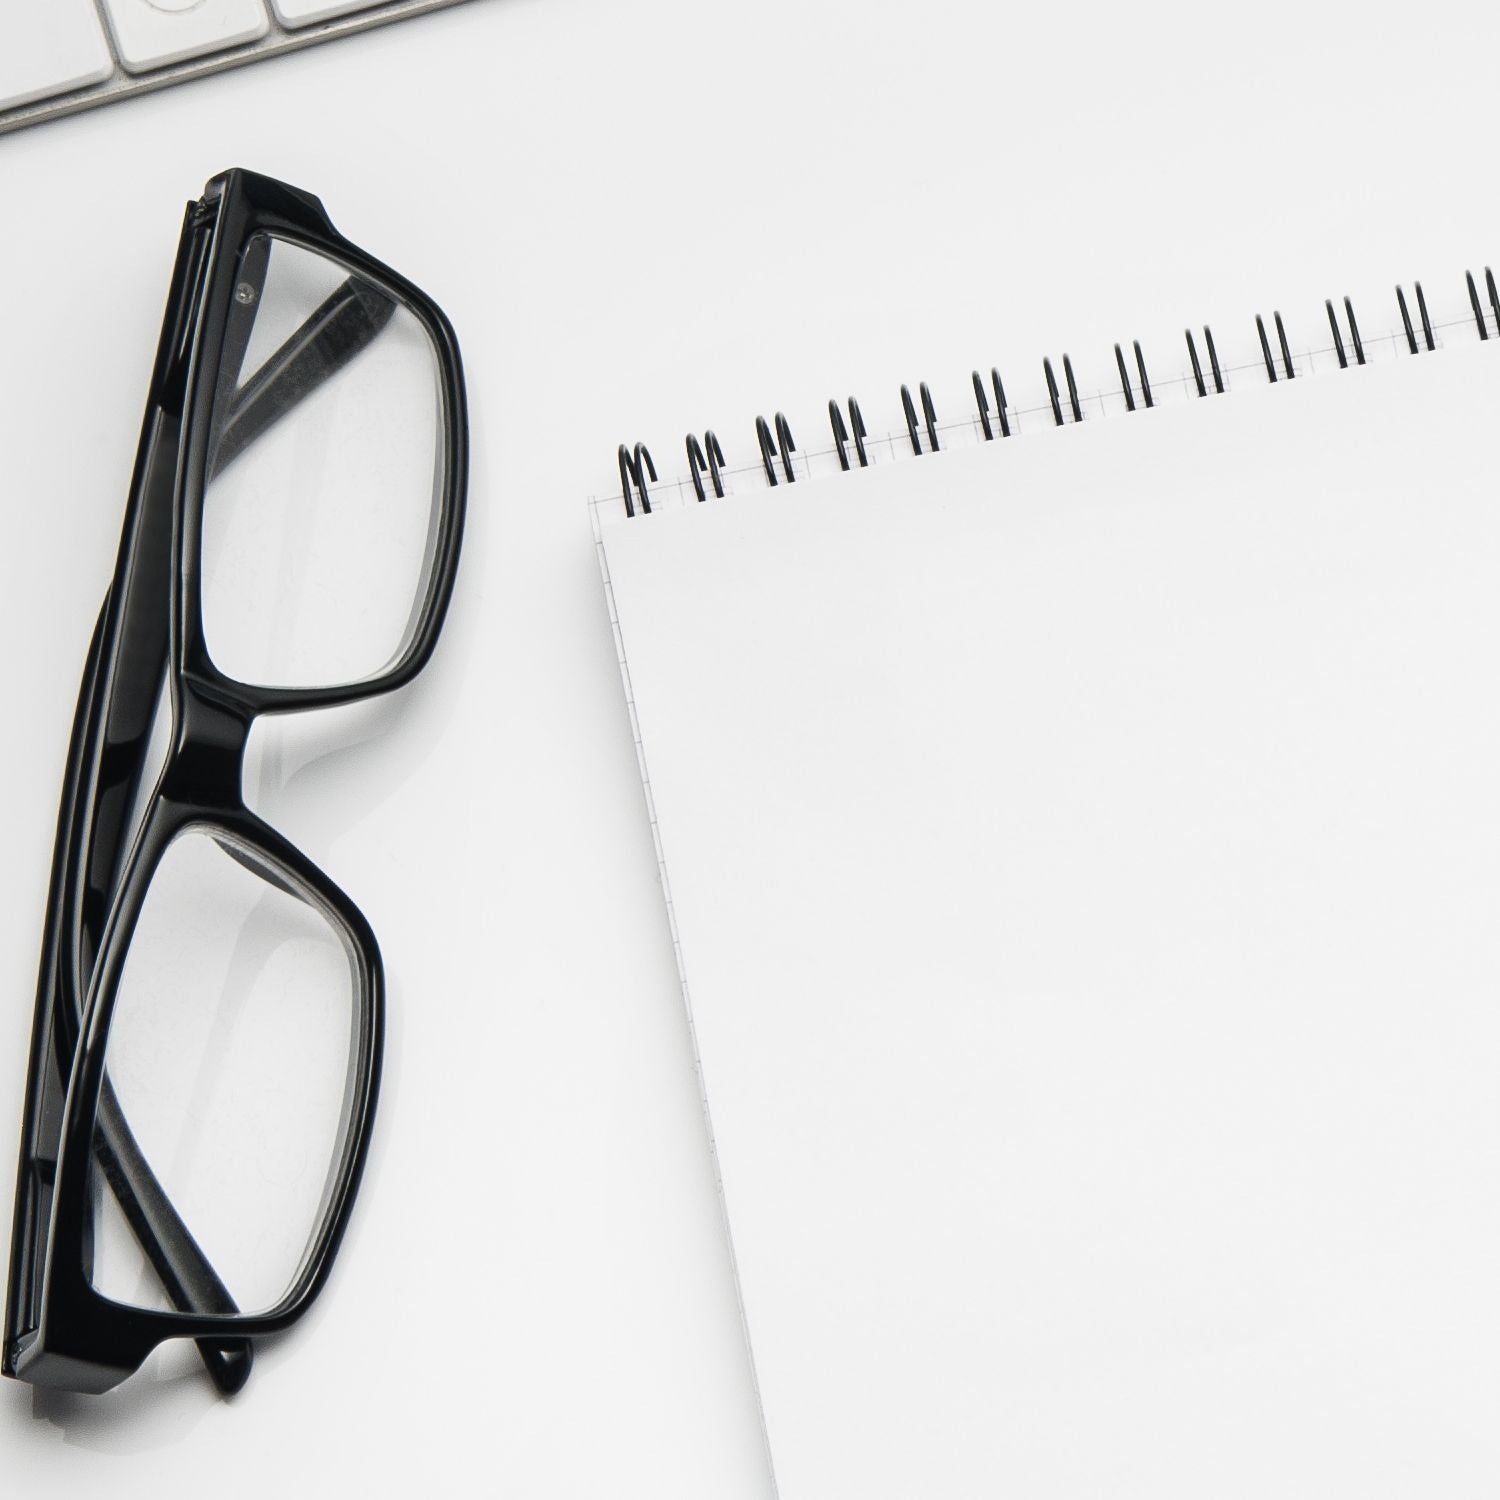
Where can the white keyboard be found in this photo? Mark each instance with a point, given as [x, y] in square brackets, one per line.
[57, 56]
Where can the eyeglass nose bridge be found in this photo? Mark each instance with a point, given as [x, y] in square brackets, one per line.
[208, 748]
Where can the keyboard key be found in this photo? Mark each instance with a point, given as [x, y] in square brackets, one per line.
[152, 33]
[305, 12]
[48, 47]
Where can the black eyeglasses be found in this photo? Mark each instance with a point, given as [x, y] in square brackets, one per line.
[206, 1046]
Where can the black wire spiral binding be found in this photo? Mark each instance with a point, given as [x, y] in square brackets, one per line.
[776, 444]
[1286, 353]
[982, 402]
[788, 447]
[1072, 389]
[1484, 332]
[1489, 285]
[1124, 379]
[1265, 348]
[929, 416]
[1213, 360]
[1338, 342]
[630, 473]
[767, 449]
[1057, 415]
[1187, 333]
[1338, 338]
[1052, 392]
[769, 446]
[1411, 338]
[697, 464]
[1140, 364]
[1359, 348]
[842, 432]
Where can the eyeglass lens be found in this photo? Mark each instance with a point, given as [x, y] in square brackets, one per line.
[229, 1066]
[325, 475]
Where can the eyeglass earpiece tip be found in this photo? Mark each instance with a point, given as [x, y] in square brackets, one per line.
[228, 1363]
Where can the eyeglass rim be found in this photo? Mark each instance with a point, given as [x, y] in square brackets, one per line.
[115, 1331]
[249, 205]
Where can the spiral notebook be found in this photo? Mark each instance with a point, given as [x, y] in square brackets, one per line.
[1079, 818]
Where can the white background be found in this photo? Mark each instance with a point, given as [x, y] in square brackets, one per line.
[640, 218]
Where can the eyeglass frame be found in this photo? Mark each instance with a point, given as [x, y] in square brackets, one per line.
[60, 1331]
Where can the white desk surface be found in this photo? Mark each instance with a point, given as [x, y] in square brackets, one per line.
[640, 218]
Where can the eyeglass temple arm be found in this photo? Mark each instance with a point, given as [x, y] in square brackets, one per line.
[179, 1262]
[345, 324]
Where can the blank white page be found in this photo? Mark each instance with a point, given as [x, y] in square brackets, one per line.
[1084, 852]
